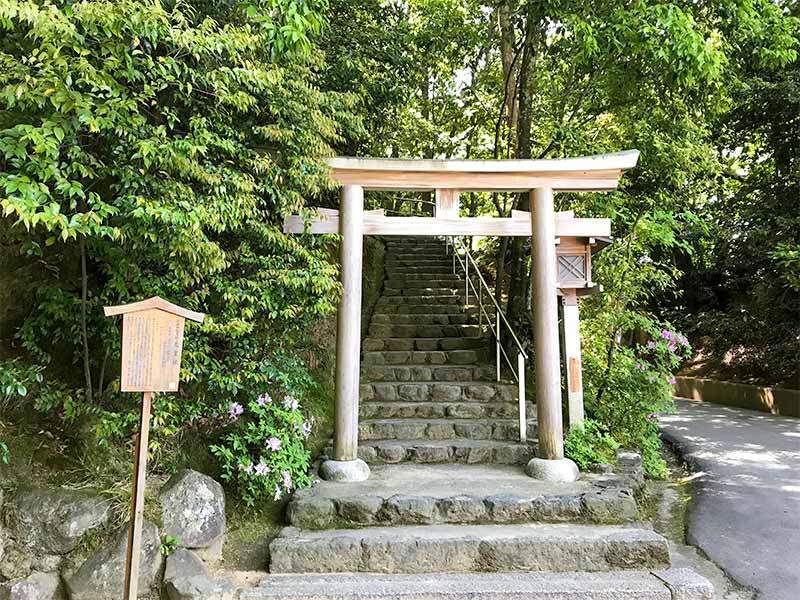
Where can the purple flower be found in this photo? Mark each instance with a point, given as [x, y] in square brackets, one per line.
[671, 380]
[248, 469]
[666, 334]
[278, 492]
[639, 366]
[652, 378]
[290, 403]
[262, 468]
[273, 444]
[652, 415]
[286, 477]
[263, 399]
[234, 410]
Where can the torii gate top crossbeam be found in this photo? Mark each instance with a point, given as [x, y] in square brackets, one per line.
[587, 173]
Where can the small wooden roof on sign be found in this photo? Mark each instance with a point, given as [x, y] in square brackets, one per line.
[586, 173]
[154, 303]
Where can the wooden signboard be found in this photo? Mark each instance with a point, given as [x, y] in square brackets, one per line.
[152, 340]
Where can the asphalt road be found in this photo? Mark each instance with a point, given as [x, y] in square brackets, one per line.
[745, 513]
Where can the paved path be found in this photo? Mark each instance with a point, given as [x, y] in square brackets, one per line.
[746, 510]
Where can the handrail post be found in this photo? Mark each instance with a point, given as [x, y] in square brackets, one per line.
[480, 306]
[523, 419]
[466, 279]
[497, 345]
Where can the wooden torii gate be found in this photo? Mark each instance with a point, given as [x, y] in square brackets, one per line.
[448, 178]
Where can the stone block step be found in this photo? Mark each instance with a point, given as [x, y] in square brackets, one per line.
[445, 451]
[455, 410]
[420, 373]
[415, 280]
[422, 291]
[427, 263]
[419, 254]
[411, 494]
[435, 391]
[419, 330]
[433, 357]
[427, 309]
[422, 271]
[468, 548]
[442, 429]
[449, 298]
[670, 584]
[372, 344]
[452, 318]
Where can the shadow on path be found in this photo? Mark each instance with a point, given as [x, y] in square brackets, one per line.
[746, 510]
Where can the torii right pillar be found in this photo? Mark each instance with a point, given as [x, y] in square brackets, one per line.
[549, 464]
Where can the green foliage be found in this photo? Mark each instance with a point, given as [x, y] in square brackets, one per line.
[168, 545]
[590, 444]
[262, 452]
[161, 146]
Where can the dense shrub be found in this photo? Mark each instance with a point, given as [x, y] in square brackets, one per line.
[165, 145]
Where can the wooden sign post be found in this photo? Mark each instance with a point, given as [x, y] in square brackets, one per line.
[152, 340]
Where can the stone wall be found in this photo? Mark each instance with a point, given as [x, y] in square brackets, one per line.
[778, 401]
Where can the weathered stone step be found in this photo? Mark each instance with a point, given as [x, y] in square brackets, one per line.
[418, 254]
[382, 330]
[416, 280]
[442, 429]
[445, 451]
[670, 584]
[455, 410]
[422, 271]
[420, 373]
[428, 309]
[411, 494]
[420, 299]
[423, 291]
[371, 344]
[452, 318]
[435, 391]
[433, 357]
[468, 548]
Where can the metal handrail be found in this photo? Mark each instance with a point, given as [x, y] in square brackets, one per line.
[519, 374]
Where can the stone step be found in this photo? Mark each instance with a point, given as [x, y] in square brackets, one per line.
[436, 391]
[445, 451]
[422, 291]
[468, 548]
[427, 263]
[416, 280]
[452, 318]
[442, 429]
[422, 271]
[411, 494]
[420, 373]
[449, 298]
[427, 309]
[423, 255]
[372, 344]
[381, 330]
[456, 410]
[421, 357]
[670, 584]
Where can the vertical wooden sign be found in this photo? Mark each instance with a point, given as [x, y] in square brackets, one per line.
[152, 341]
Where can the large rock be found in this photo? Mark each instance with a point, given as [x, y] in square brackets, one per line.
[48, 521]
[193, 509]
[200, 587]
[37, 586]
[101, 577]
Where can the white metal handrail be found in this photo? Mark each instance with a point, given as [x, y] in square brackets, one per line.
[519, 373]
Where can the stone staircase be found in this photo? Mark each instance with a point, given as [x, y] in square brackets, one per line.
[428, 392]
[448, 511]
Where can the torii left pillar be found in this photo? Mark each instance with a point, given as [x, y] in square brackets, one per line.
[345, 464]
